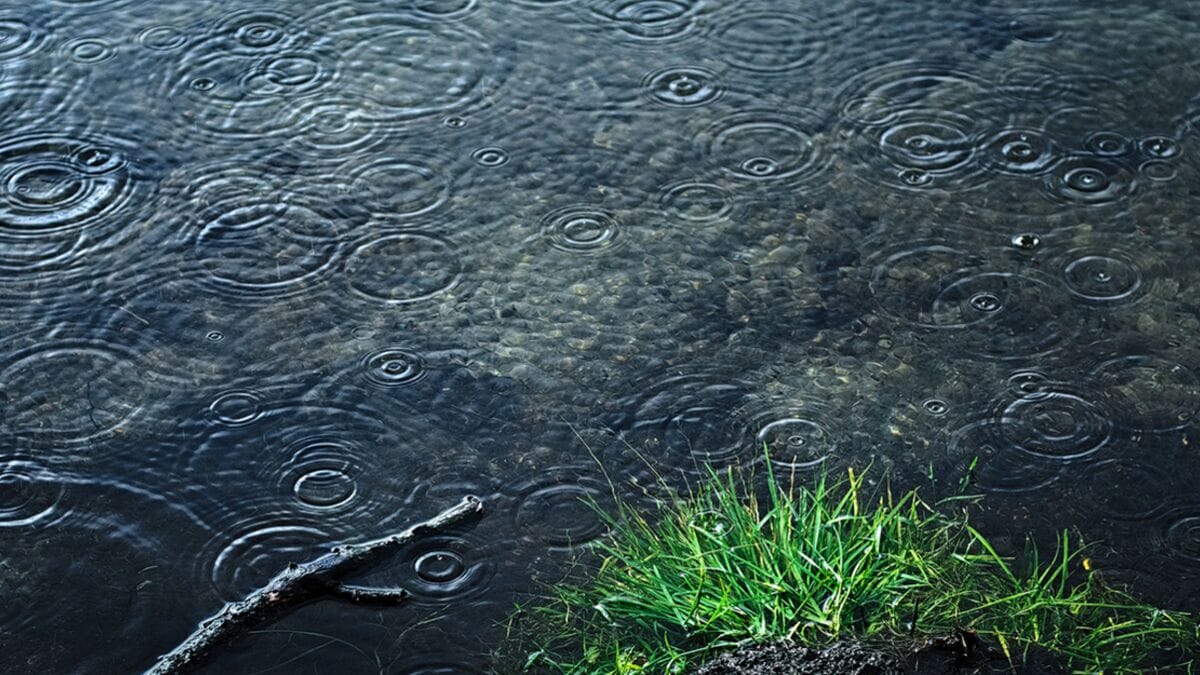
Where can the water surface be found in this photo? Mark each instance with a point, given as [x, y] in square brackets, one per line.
[279, 276]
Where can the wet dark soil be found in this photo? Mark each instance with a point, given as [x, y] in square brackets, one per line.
[949, 655]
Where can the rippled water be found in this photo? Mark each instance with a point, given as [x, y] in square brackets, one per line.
[278, 277]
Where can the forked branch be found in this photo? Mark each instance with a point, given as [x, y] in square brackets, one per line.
[300, 583]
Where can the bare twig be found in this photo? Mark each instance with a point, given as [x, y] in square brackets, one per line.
[301, 583]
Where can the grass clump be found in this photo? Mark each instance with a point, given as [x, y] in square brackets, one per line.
[828, 561]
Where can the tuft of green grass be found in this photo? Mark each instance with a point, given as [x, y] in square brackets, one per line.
[826, 561]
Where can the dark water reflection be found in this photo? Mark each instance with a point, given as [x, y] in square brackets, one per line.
[278, 277]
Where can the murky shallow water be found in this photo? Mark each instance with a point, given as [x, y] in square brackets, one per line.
[278, 277]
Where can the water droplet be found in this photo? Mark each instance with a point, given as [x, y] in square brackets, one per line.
[1026, 241]
[162, 38]
[255, 31]
[439, 567]
[760, 166]
[88, 50]
[59, 185]
[455, 122]
[1102, 278]
[1108, 144]
[794, 442]
[682, 86]
[394, 367]
[985, 302]
[915, 177]
[927, 140]
[490, 156]
[259, 35]
[581, 229]
[215, 336]
[1020, 152]
[1085, 180]
[648, 20]
[584, 230]
[1027, 383]
[324, 488]
[331, 475]
[97, 160]
[237, 407]
[765, 146]
[1159, 147]
[921, 144]
[1055, 424]
[936, 407]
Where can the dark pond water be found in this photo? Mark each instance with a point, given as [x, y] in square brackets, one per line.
[279, 276]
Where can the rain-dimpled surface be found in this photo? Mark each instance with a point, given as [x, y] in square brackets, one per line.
[278, 276]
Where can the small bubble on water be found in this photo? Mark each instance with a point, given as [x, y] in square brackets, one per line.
[1026, 241]
[1020, 151]
[919, 143]
[490, 156]
[760, 166]
[684, 86]
[915, 177]
[1027, 382]
[1159, 147]
[985, 302]
[1107, 144]
[1087, 179]
[394, 367]
[440, 567]
[94, 157]
[935, 406]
